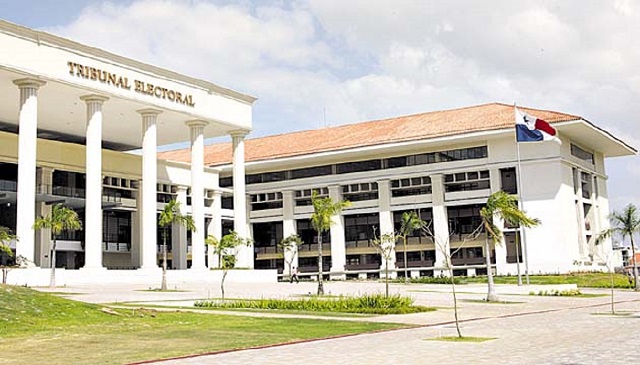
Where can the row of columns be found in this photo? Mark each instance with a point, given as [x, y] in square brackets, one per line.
[386, 225]
[147, 202]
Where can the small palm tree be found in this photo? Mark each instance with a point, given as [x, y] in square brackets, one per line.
[624, 224]
[170, 215]
[410, 223]
[60, 220]
[321, 220]
[227, 249]
[504, 206]
[5, 238]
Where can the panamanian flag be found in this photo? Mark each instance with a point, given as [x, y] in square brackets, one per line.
[532, 129]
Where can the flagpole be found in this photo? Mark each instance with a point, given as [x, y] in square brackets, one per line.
[521, 204]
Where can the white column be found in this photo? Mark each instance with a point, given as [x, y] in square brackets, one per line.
[386, 223]
[500, 249]
[215, 228]
[197, 192]
[179, 234]
[148, 191]
[338, 248]
[245, 254]
[27, 142]
[93, 168]
[288, 229]
[440, 224]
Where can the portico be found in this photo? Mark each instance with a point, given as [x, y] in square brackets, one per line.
[68, 115]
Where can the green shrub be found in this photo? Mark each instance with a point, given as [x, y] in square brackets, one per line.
[430, 280]
[558, 293]
[369, 304]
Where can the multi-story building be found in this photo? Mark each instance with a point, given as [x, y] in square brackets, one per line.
[68, 113]
[441, 164]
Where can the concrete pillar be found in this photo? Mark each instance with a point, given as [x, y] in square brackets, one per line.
[440, 224]
[215, 228]
[500, 249]
[44, 177]
[288, 229]
[179, 234]
[245, 254]
[27, 142]
[338, 247]
[93, 168]
[197, 192]
[149, 215]
[386, 224]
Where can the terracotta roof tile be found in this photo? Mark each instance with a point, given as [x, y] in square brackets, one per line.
[406, 128]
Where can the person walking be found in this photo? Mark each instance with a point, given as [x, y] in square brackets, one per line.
[294, 275]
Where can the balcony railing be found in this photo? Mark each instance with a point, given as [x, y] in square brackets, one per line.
[417, 263]
[116, 247]
[374, 266]
[8, 185]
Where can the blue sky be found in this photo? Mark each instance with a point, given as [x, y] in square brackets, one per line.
[327, 62]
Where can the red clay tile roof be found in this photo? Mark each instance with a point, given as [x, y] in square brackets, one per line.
[407, 128]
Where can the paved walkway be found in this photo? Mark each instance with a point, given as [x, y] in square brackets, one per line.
[528, 329]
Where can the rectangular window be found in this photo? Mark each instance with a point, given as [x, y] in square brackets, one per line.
[311, 172]
[582, 154]
[360, 192]
[464, 219]
[508, 180]
[359, 228]
[411, 186]
[226, 182]
[344, 168]
[303, 197]
[466, 181]
[265, 201]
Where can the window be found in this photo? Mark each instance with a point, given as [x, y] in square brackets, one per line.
[585, 183]
[308, 235]
[466, 181]
[311, 172]
[360, 192]
[227, 202]
[582, 154]
[358, 228]
[411, 186]
[267, 234]
[266, 201]
[508, 180]
[426, 214]
[359, 166]
[303, 197]
[464, 220]
[266, 177]
[226, 182]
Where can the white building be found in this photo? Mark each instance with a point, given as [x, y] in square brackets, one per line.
[67, 113]
[444, 164]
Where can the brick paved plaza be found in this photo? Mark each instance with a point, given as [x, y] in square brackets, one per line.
[528, 329]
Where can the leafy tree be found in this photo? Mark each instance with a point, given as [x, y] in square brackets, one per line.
[5, 238]
[61, 219]
[170, 215]
[385, 245]
[290, 246]
[411, 222]
[624, 224]
[227, 249]
[321, 220]
[505, 206]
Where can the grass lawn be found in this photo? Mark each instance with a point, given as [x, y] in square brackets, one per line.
[582, 280]
[42, 328]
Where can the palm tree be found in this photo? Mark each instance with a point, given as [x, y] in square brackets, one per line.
[60, 220]
[504, 206]
[321, 220]
[624, 224]
[170, 215]
[5, 238]
[411, 222]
